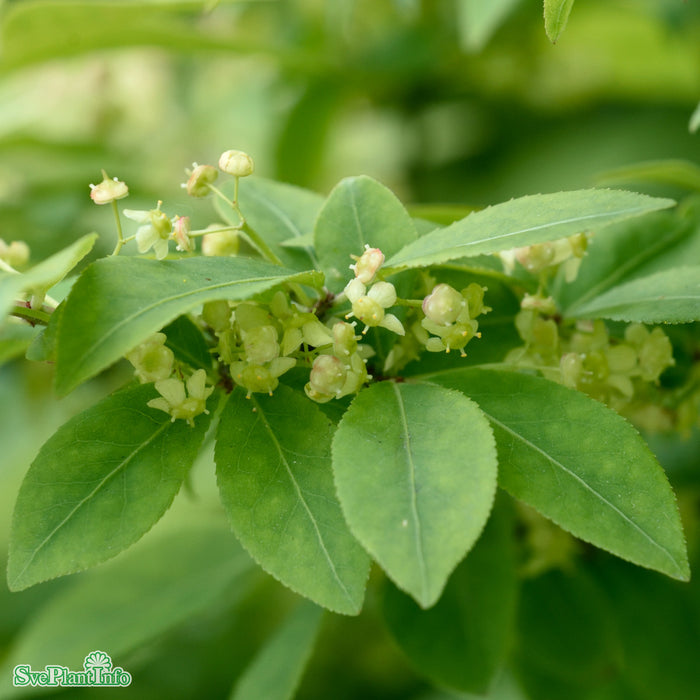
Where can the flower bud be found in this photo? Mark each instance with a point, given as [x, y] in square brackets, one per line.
[443, 305]
[200, 178]
[236, 163]
[108, 190]
[181, 234]
[367, 264]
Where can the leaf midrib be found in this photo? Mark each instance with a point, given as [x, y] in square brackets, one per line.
[302, 500]
[286, 221]
[80, 504]
[550, 224]
[576, 477]
[612, 280]
[92, 349]
[418, 535]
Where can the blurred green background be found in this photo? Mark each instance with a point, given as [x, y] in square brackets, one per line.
[445, 101]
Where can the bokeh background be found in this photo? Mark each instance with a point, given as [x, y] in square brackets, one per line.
[462, 102]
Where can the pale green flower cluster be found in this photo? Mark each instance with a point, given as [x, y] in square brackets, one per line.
[450, 317]
[588, 359]
[154, 362]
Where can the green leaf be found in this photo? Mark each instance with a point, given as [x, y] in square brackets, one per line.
[274, 474]
[676, 172]
[44, 275]
[97, 485]
[275, 672]
[117, 302]
[671, 296]
[524, 221]
[43, 348]
[631, 250]
[478, 20]
[305, 240]
[186, 341]
[580, 464]
[359, 211]
[462, 640]
[280, 212]
[415, 470]
[134, 599]
[556, 15]
[442, 214]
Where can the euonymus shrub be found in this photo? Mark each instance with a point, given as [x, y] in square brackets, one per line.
[371, 379]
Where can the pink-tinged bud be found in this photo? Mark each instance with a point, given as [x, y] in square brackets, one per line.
[181, 234]
[443, 305]
[236, 163]
[109, 190]
[200, 178]
[367, 264]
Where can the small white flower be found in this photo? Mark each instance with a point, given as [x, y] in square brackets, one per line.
[368, 306]
[155, 231]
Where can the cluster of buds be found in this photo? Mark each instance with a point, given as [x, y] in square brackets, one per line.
[369, 304]
[449, 322]
[343, 370]
[157, 229]
[540, 257]
[201, 177]
[154, 362]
